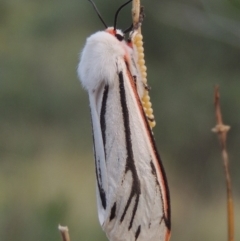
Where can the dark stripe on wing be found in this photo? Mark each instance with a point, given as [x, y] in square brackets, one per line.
[102, 193]
[103, 116]
[130, 165]
[113, 212]
[138, 232]
[154, 172]
[100, 188]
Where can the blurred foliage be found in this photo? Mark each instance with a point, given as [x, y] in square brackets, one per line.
[46, 161]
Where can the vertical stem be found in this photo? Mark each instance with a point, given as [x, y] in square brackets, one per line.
[222, 130]
[64, 233]
[136, 12]
[230, 206]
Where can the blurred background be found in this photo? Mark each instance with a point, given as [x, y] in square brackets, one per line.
[46, 159]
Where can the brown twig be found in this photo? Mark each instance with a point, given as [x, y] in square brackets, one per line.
[222, 131]
[136, 12]
[64, 233]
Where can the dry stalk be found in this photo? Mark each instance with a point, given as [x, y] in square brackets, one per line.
[136, 15]
[222, 131]
[135, 11]
[64, 233]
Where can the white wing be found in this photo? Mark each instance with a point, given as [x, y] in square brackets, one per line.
[133, 197]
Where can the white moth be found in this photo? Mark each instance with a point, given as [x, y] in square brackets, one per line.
[132, 192]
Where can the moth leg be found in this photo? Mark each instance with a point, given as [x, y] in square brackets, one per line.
[147, 87]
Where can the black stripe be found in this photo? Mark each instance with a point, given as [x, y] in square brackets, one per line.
[103, 129]
[113, 212]
[130, 165]
[138, 232]
[134, 210]
[103, 116]
[99, 176]
[100, 188]
[154, 172]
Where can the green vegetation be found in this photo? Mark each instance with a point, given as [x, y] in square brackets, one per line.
[46, 161]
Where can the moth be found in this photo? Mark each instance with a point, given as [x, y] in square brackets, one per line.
[132, 192]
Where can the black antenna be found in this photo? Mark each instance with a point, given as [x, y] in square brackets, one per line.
[116, 15]
[98, 13]
[128, 29]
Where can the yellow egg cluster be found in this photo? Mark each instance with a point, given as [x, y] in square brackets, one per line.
[147, 105]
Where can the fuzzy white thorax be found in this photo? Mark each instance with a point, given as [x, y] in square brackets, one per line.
[98, 59]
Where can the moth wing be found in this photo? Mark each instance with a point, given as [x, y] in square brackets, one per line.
[99, 156]
[136, 194]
